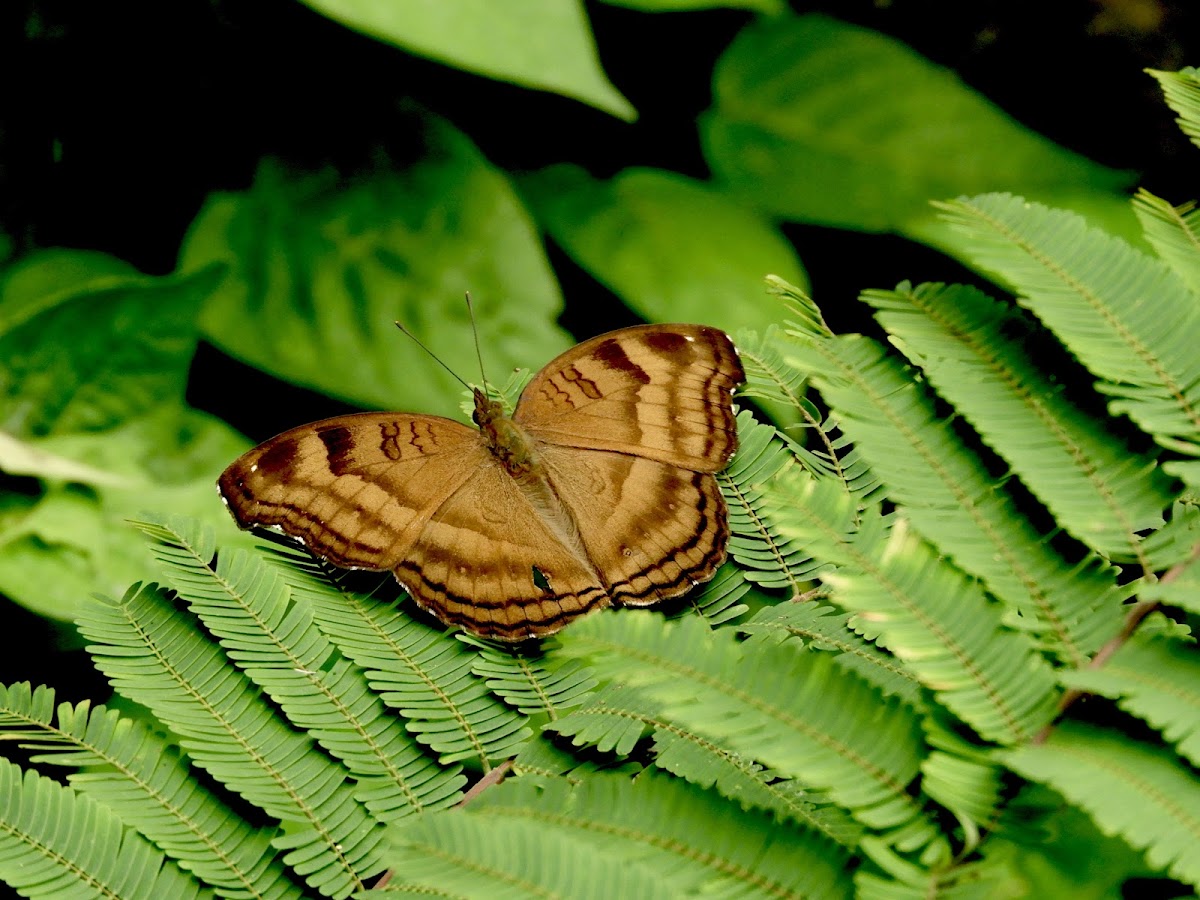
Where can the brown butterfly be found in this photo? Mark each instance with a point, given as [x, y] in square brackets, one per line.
[599, 489]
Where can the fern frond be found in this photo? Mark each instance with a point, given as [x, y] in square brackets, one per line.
[949, 497]
[719, 602]
[1155, 676]
[1141, 793]
[617, 718]
[158, 657]
[793, 711]
[545, 685]
[822, 628]
[1182, 92]
[1173, 545]
[807, 315]
[1174, 233]
[423, 673]
[831, 454]
[767, 376]
[926, 611]
[459, 855]
[272, 636]
[136, 774]
[971, 349]
[765, 557]
[958, 881]
[1126, 316]
[689, 841]
[962, 777]
[56, 843]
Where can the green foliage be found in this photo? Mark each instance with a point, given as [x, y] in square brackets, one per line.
[930, 562]
[95, 363]
[668, 838]
[817, 120]
[675, 249]
[1138, 791]
[317, 270]
[316, 261]
[542, 44]
[93, 854]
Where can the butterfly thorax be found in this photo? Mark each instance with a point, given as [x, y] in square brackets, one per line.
[506, 440]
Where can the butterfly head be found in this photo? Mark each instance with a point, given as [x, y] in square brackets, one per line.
[487, 411]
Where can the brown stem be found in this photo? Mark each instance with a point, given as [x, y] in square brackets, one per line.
[1133, 619]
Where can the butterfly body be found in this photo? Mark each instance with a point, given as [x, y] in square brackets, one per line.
[506, 440]
[598, 490]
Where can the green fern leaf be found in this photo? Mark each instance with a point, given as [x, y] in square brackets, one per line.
[719, 602]
[617, 719]
[807, 317]
[833, 457]
[927, 612]
[1174, 232]
[56, 843]
[1182, 92]
[949, 497]
[271, 634]
[682, 840]
[1054, 849]
[422, 672]
[1141, 793]
[768, 378]
[795, 712]
[1173, 545]
[136, 774]
[823, 628]
[962, 777]
[972, 350]
[959, 881]
[1092, 289]
[1155, 676]
[158, 657]
[765, 557]
[455, 854]
[545, 686]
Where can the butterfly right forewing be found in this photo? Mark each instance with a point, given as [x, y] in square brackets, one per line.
[659, 391]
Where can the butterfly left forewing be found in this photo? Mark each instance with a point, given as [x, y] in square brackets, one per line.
[356, 490]
[659, 391]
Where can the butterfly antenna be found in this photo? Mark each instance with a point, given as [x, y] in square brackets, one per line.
[436, 358]
[475, 332]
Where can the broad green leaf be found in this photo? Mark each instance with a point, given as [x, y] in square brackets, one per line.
[22, 457]
[88, 342]
[96, 357]
[763, 6]
[819, 121]
[320, 268]
[542, 44]
[674, 249]
[74, 539]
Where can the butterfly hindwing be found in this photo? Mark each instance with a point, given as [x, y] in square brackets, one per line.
[656, 529]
